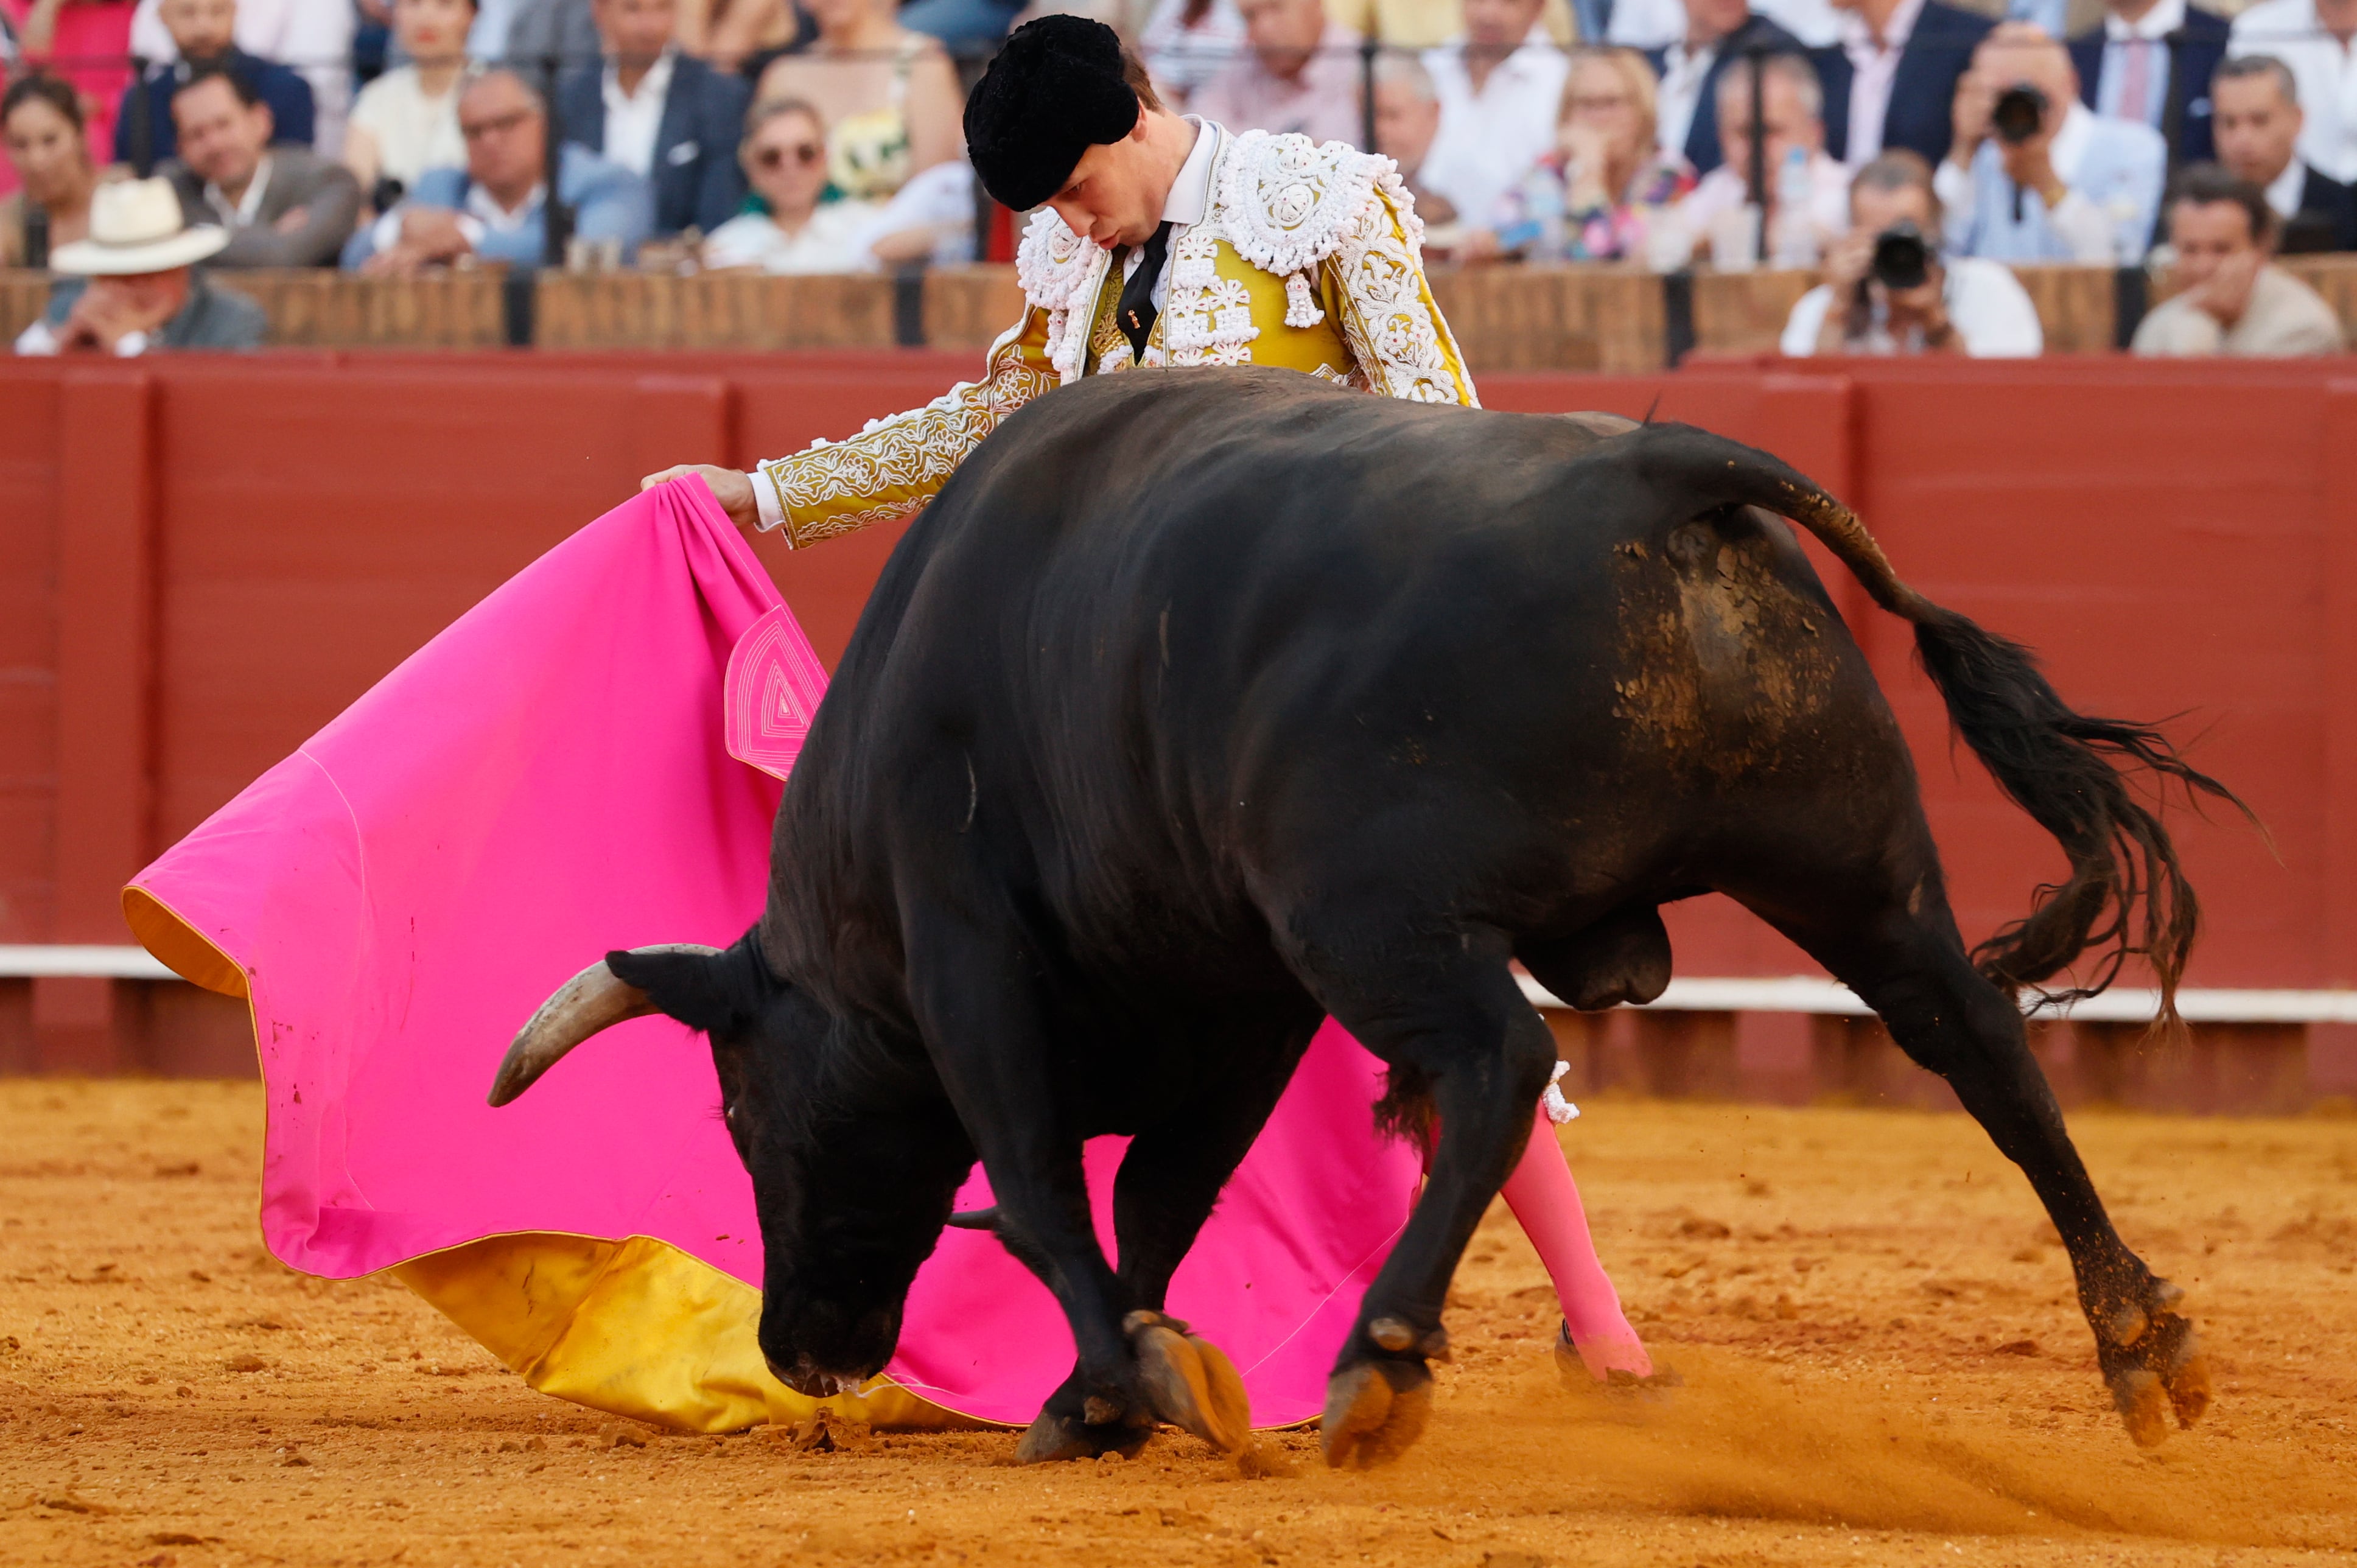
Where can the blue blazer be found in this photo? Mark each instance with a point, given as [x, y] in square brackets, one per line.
[288, 95]
[2200, 45]
[695, 175]
[1923, 92]
[1702, 137]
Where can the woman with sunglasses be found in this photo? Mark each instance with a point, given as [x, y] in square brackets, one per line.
[784, 155]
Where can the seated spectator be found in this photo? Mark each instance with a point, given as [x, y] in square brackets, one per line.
[1407, 118]
[667, 117]
[40, 123]
[1594, 196]
[1718, 34]
[793, 232]
[1715, 217]
[2312, 38]
[1890, 79]
[132, 288]
[1869, 304]
[496, 209]
[973, 28]
[2151, 63]
[407, 120]
[1501, 95]
[202, 34]
[313, 38]
[2233, 301]
[1300, 74]
[282, 207]
[725, 32]
[890, 96]
[2257, 115]
[1185, 43]
[1428, 24]
[2063, 184]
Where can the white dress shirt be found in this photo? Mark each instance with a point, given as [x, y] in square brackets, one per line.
[2324, 69]
[1684, 70]
[241, 213]
[2122, 42]
[2286, 190]
[1188, 201]
[634, 120]
[1873, 68]
[1488, 140]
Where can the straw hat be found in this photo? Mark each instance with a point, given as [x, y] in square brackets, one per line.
[135, 226]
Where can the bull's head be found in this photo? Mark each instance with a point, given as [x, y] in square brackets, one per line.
[853, 1151]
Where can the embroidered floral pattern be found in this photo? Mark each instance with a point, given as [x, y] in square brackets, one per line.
[1393, 329]
[1062, 273]
[1208, 319]
[897, 464]
[1285, 201]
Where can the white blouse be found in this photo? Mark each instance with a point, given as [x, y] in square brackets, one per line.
[413, 132]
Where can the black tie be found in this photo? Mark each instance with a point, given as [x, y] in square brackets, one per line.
[1133, 312]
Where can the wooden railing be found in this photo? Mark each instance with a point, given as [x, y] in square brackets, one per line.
[1607, 318]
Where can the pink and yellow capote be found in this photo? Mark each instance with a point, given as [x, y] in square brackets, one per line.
[549, 779]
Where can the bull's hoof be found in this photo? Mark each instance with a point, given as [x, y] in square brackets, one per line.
[1374, 1412]
[1052, 1437]
[1190, 1382]
[2154, 1363]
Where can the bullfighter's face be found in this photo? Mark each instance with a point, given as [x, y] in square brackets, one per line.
[853, 1165]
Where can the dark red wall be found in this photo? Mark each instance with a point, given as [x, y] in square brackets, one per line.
[201, 561]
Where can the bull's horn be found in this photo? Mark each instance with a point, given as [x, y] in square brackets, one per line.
[595, 999]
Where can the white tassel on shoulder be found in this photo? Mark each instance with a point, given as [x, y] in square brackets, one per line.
[1300, 303]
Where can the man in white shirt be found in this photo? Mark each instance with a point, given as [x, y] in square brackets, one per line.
[1889, 78]
[282, 206]
[1501, 97]
[2313, 37]
[1713, 217]
[2077, 187]
[663, 115]
[1301, 74]
[1960, 306]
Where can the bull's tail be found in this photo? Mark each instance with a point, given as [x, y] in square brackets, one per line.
[2126, 893]
[715, 990]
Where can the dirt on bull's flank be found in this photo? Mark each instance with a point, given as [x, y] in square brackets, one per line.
[1882, 1358]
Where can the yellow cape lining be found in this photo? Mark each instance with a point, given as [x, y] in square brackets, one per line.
[635, 1326]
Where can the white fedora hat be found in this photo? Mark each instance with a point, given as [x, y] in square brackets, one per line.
[135, 226]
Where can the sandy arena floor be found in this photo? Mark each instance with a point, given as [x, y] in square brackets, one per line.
[1882, 1365]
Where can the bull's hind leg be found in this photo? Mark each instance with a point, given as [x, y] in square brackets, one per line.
[1911, 967]
[1452, 1023]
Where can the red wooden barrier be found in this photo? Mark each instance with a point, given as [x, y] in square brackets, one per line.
[203, 560]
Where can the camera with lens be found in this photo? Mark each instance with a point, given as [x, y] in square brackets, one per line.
[2019, 111]
[1902, 256]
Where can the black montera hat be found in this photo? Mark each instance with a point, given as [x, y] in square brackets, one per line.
[1054, 91]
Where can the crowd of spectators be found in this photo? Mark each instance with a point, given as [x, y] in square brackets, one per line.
[1906, 150]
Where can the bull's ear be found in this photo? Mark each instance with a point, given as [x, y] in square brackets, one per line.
[717, 992]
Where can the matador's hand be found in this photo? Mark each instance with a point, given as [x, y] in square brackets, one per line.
[732, 490]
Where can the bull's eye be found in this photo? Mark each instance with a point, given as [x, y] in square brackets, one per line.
[729, 1114]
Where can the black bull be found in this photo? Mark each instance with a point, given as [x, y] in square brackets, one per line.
[1199, 708]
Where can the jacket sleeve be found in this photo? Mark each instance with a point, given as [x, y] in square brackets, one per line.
[723, 178]
[330, 207]
[895, 465]
[1393, 325]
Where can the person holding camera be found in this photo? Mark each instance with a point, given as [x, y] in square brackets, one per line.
[2034, 175]
[1888, 290]
[2232, 298]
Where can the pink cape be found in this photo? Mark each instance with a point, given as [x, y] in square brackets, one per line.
[545, 780]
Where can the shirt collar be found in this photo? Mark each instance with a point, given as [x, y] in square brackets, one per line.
[2286, 189]
[656, 84]
[249, 207]
[1190, 193]
[2158, 23]
[482, 204]
[1856, 38]
[1537, 47]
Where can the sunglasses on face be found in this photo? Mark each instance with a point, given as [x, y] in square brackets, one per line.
[804, 155]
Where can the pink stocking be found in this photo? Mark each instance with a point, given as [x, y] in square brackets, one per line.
[1547, 1204]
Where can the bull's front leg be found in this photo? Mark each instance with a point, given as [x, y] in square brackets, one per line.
[1464, 1031]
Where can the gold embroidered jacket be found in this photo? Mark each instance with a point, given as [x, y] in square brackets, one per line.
[1309, 257]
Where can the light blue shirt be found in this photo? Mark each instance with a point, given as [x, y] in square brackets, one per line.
[2114, 170]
